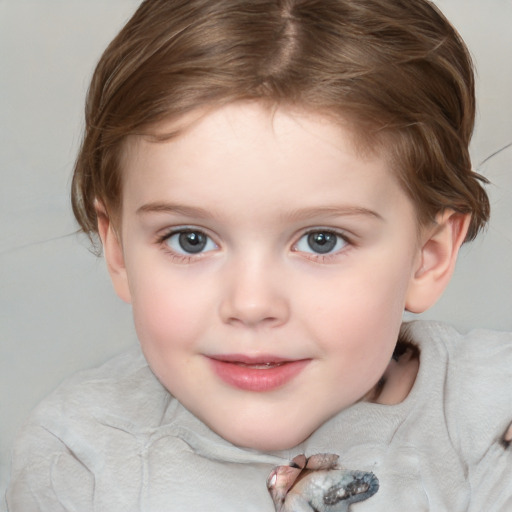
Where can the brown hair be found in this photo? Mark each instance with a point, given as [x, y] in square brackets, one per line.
[396, 68]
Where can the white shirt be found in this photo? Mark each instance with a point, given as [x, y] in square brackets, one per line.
[114, 439]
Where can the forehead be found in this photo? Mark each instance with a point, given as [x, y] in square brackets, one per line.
[246, 147]
[271, 113]
[262, 124]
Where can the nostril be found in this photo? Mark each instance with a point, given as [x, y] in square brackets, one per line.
[269, 313]
[252, 319]
[251, 297]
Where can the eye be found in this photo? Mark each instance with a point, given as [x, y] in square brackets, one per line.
[321, 242]
[190, 241]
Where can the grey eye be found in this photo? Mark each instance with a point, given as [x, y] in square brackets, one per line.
[190, 242]
[320, 242]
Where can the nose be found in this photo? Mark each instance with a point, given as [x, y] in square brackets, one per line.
[254, 294]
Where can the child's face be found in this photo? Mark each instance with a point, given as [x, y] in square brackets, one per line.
[268, 265]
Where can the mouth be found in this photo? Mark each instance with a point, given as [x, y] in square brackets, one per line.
[259, 374]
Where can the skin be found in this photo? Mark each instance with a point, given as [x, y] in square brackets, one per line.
[256, 182]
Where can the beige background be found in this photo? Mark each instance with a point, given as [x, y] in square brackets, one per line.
[58, 313]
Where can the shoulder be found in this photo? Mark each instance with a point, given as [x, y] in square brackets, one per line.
[473, 371]
[122, 395]
[477, 365]
[476, 368]
[115, 392]
[476, 353]
[121, 386]
[480, 358]
[92, 417]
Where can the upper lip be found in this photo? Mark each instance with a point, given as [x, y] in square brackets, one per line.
[249, 359]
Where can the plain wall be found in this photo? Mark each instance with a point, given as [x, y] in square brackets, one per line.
[58, 313]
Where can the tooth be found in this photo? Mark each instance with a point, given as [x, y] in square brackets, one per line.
[260, 366]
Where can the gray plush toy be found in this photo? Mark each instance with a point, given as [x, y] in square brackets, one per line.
[318, 484]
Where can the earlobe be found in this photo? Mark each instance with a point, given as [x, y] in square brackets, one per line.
[113, 252]
[438, 255]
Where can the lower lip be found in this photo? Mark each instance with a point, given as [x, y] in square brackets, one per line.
[249, 378]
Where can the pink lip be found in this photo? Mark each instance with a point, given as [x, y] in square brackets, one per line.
[261, 373]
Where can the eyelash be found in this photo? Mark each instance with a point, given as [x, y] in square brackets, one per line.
[313, 256]
[182, 257]
[328, 256]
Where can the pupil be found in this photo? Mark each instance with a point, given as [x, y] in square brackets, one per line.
[192, 241]
[322, 242]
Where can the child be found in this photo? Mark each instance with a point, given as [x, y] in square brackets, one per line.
[274, 183]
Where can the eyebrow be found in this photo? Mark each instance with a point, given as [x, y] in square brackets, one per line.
[160, 207]
[293, 215]
[332, 211]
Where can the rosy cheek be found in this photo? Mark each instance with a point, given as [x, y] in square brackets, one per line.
[165, 318]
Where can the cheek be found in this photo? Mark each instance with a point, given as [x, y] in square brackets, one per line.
[357, 314]
[167, 312]
[375, 288]
[170, 332]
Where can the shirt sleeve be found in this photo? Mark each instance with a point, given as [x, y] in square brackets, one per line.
[46, 476]
[481, 396]
[491, 479]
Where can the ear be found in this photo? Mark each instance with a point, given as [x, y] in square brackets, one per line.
[113, 252]
[436, 262]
